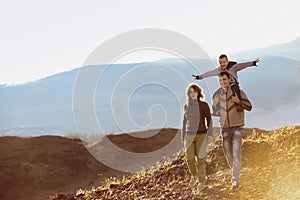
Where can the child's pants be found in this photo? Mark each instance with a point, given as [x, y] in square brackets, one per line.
[236, 89]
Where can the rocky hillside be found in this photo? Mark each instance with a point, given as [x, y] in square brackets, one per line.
[270, 170]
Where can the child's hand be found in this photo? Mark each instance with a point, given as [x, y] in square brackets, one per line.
[235, 99]
[256, 61]
[197, 77]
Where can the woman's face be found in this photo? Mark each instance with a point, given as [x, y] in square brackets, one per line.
[193, 94]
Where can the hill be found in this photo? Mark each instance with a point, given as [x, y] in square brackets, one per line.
[270, 170]
[38, 167]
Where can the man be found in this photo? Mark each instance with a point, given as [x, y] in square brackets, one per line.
[232, 122]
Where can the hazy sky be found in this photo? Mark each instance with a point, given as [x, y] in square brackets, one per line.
[40, 38]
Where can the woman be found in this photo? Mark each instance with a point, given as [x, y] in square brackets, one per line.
[196, 125]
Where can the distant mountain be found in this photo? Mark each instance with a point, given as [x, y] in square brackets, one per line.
[289, 50]
[38, 108]
[123, 104]
[273, 88]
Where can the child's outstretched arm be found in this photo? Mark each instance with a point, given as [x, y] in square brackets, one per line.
[241, 66]
[213, 72]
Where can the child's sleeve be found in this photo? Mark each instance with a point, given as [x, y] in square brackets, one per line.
[241, 66]
[214, 72]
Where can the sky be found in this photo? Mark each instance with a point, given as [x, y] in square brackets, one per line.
[42, 38]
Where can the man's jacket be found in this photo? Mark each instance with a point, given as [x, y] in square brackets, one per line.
[229, 116]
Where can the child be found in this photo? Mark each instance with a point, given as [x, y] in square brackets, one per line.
[232, 68]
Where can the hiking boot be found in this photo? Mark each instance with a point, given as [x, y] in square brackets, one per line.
[201, 186]
[235, 186]
[193, 181]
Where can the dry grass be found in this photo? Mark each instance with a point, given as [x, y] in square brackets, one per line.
[270, 170]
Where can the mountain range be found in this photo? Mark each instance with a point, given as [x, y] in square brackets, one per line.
[142, 96]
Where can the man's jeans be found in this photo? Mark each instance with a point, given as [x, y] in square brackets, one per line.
[232, 145]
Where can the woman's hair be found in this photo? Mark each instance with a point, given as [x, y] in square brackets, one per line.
[196, 88]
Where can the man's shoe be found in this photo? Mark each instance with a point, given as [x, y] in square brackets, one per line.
[193, 181]
[201, 186]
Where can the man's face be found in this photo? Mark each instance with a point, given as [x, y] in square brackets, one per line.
[193, 94]
[223, 62]
[224, 81]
